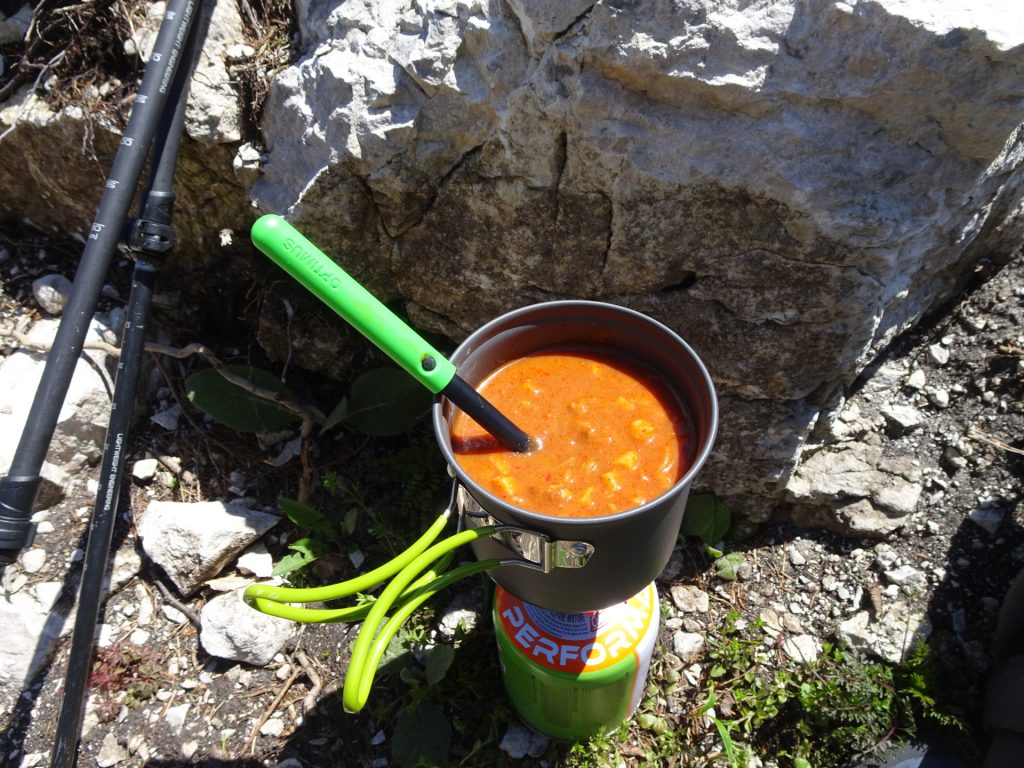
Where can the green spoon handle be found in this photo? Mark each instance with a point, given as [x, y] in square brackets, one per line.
[286, 246]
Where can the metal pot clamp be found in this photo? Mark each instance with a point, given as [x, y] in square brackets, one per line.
[534, 549]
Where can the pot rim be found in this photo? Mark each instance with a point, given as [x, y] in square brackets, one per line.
[484, 332]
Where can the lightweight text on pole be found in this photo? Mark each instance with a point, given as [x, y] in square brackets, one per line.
[150, 239]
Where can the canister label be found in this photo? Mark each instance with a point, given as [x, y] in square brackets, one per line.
[578, 643]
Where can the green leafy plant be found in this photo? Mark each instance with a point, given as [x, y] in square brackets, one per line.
[383, 402]
[124, 674]
[827, 712]
[725, 565]
[423, 733]
[321, 536]
[224, 399]
[707, 518]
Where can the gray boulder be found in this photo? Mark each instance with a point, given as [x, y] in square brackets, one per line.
[789, 185]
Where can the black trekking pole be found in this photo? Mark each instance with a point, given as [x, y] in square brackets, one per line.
[150, 239]
[18, 489]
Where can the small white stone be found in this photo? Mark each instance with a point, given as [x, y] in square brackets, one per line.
[917, 379]
[47, 593]
[274, 727]
[228, 583]
[139, 637]
[938, 354]
[283, 672]
[13, 582]
[378, 739]
[172, 614]
[256, 561]
[689, 599]
[987, 516]
[687, 645]
[111, 752]
[938, 397]
[903, 417]
[145, 617]
[770, 621]
[144, 470]
[167, 418]
[802, 648]
[105, 636]
[796, 557]
[189, 748]
[906, 576]
[45, 527]
[693, 674]
[136, 742]
[51, 293]
[33, 560]
[175, 718]
[239, 52]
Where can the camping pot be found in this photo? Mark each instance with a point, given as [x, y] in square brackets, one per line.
[581, 564]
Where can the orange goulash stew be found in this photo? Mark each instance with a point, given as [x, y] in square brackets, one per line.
[611, 435]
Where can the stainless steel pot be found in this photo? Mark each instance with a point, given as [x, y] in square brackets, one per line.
[582, 564]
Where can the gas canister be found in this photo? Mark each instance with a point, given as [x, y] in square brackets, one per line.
[575, 675]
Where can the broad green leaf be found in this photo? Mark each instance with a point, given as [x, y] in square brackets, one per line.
[439, 660]
[725, 566]
[385, 402]
[302, 515]
[396, 658]
[411, 675]
[292, 562]
[422, 737]
[305, 546]
[348, 524]
[235, 407]
[706, 518]
[335, 417]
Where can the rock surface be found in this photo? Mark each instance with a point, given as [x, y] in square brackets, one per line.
[193, 542]
[232, 630]
[82, 421]
[788, 185]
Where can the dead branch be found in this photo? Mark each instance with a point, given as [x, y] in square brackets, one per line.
[995, 442]
[270, 710]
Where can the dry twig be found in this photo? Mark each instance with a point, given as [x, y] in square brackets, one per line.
[189, 613]
[310, 701]
[995, 442]
[270, 710]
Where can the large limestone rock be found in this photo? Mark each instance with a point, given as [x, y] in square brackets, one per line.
[788, 184]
